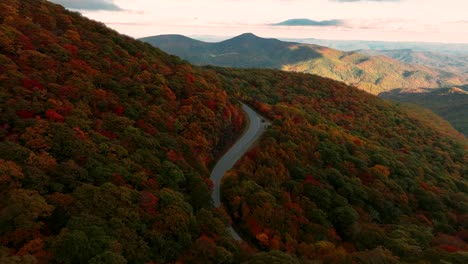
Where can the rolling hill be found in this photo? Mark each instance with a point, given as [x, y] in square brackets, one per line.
[351, 45]
[449, 103]
[456, 63]
[335, 156]
[244, 51]
[370, 73]
[106, 146]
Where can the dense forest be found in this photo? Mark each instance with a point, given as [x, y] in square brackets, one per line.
[106, 146]
[342, 176]
[449, 103]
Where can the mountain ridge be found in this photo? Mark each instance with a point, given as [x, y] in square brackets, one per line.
[371, 73]
[443, 61]
[235, 51]
[449, 103]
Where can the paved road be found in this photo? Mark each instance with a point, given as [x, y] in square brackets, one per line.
[254, 131]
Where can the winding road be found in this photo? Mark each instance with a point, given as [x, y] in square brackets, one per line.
[256, 127]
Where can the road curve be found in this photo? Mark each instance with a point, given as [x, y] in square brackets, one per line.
[256, 127]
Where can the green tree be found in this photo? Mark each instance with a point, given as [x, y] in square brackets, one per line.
[273, 257]
[108, 257]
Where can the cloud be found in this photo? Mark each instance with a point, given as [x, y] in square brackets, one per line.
[308, 22]
[356, 23]
[89, 5]
[384, 24]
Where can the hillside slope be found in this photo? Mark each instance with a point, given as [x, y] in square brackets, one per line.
[449, 103]
[105, 145]
[343, 176]
[351, 45]
[370, 73]
[456, 63]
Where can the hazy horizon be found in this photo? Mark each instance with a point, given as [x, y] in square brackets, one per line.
[379, 20]
[219, 38]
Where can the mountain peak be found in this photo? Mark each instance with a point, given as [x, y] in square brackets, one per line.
[246, 36]
[251, 39]
[169, 37]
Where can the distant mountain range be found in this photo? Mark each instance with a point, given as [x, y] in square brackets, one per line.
[374, 74]
[350, 45]
[244, 51]
[449, 103]
[456, 63]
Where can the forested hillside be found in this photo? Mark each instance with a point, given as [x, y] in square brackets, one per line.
[106, 146]
[456, 63]
[342, 176]
[449, 103]
[350, 45]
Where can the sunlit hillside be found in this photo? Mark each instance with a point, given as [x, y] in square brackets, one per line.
[373, 74]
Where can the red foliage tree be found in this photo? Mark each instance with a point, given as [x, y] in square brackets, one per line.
[32, 84]
[65, 110]
[26, 42]
[150, 184]
[54, 116]
[34, 247]
[24, 114]
[68, 92]
[172, 155]
[148, 128]
[72, 49]
[170, 124]
[119, 110]
[209, 183]
[148, 202]
[449, 248]
[211, 105]
[118, 180]
[80, 133]
[108, 134]
[309, 179]
[253, 226]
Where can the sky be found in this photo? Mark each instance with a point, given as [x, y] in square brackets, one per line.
[385, 20]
